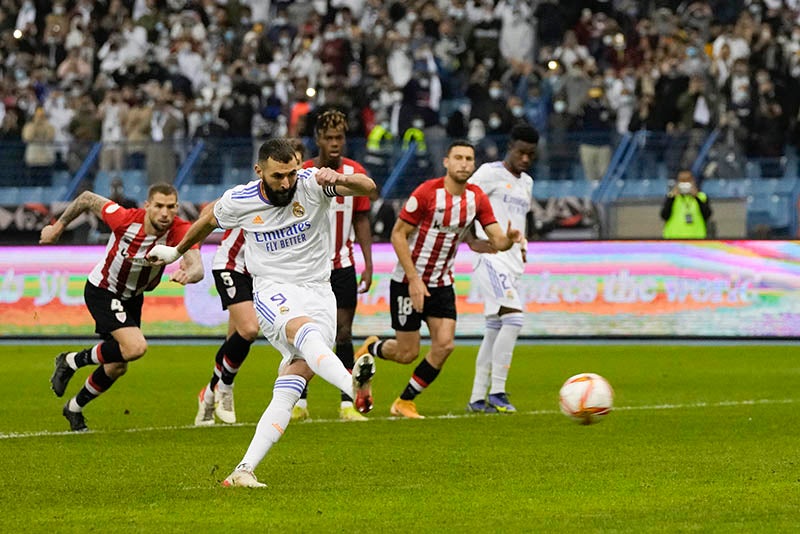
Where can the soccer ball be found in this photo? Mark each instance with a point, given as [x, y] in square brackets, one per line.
[586, 398]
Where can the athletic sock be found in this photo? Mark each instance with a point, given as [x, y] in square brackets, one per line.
[504, 349]
[321, 359]
[104, 352]
[274, 420]
[235, 350]
[346, 354]
[423, 375]
[96, 384]
[483, 362]
[376, 349]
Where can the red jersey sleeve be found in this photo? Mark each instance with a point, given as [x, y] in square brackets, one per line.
[178, 230]
[416, 206]
[483, 209]
[115, 215]
[360, 203]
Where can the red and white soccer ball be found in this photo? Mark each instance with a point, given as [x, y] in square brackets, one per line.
[586, 398]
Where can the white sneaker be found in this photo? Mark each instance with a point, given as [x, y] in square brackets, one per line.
[205, 409]
[224, 406]
[242, 478]
[363, 371]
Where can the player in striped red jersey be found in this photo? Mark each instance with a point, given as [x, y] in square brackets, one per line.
[235, 288]
[115, 289]
[349, 221]
[435, 219]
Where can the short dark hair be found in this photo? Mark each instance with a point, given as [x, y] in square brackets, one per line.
[278, 148]
[525, 133]
[460, 142]
[164, 188]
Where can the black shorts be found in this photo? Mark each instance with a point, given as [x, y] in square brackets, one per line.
[345, 287]
[110, 312]
[233, 286]
[441, 303]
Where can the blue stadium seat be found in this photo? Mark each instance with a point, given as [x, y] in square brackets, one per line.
[235, 176]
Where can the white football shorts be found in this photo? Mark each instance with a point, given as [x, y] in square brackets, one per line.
[276, 304]
[497, 285]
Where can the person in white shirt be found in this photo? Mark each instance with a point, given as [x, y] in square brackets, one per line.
[285, 218]
[510, 189]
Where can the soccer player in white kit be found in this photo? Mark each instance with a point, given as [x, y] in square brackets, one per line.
[284, 215]
[510, 190]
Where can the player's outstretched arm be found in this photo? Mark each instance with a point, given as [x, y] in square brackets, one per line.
[204, 225]
[500, 240]
[86, 201]
[347, 185]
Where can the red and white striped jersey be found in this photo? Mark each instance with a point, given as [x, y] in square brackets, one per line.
[230, 253]
[125, 271]
[341, 214]
[442, 220]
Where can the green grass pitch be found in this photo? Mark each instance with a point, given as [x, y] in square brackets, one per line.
[702, 439]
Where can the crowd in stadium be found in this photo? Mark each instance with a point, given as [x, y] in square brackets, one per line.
[137, 71]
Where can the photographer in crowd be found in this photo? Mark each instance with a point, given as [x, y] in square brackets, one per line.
[686, 210]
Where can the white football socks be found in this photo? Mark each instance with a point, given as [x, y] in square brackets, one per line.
[503, 350]
[483, 362]
[275, 419]
[321, 359]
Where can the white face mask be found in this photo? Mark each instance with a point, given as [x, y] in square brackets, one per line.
[684, 188]
[495, 122]
[495, 93]
[518, 111]
[559, 106]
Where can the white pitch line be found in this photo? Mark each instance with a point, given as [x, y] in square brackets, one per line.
[693, 405]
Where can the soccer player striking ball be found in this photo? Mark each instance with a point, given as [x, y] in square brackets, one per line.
[434, 220]
[115, 288]
[284, 215]
[509, 189]
[349, 219]
[235, 287]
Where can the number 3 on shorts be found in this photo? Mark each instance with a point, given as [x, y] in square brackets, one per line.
[116, 306]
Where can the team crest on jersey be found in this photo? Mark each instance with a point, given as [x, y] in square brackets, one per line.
[121, 316]
[283, 309]
[231, 291]
[258, 220]
[298, 210]
[401, 319]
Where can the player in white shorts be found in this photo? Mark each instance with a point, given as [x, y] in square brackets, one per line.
[284, 215]
[510, 190]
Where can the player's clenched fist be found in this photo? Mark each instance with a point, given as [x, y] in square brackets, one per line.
[162, 254]
[326, 176]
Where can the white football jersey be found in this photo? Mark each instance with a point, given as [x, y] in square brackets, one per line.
[511, 201]
[289, 244]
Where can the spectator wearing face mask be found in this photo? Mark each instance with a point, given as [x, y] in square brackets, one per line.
[494, 105]
[596, 126]
[686, 210]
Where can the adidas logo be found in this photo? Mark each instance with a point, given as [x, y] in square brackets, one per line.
[258, 220]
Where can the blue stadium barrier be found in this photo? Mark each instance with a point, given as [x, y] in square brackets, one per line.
[90, 160]
[188, 163]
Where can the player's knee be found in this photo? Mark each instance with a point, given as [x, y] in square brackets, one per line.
[248, 331]
[116, 369]
[134, 350]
